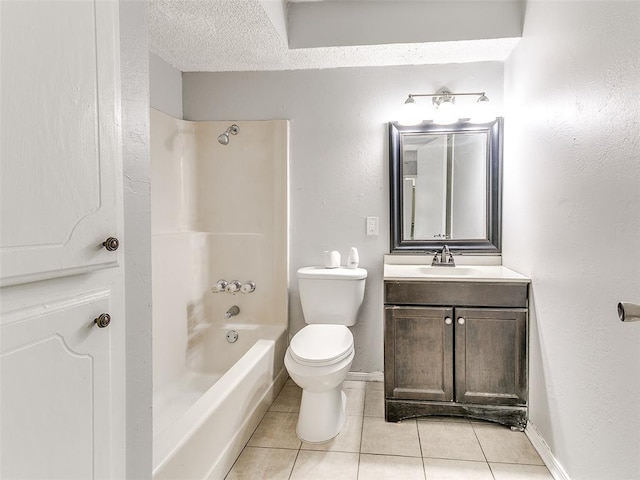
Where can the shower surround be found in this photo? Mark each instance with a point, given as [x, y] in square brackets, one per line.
[218, 212]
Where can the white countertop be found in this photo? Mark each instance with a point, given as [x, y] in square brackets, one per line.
[418, 268]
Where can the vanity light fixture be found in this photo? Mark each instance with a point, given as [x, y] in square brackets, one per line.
[411, 112]
[445, 113]
[444, 109]
[484, 111]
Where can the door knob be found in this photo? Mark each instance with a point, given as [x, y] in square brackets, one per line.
[447, 320]
[111, 244]
[460, 321]
[103, 320]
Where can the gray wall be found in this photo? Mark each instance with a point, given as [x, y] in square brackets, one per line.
[338, 158]
[328, 24]
[134, 69]
[572, 223]
[165, 87]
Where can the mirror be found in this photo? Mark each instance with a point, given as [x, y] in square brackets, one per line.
[446, 187]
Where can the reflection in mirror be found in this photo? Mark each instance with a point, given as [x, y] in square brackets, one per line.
[445, 187]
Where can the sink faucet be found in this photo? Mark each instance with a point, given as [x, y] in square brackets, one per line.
[443, 258]
[232, 312]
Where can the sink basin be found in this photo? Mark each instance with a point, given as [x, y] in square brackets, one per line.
[472, 273]
[450, 271]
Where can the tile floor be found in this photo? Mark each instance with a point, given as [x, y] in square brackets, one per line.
[368, 448]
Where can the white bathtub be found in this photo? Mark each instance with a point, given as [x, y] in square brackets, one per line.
[203, 419]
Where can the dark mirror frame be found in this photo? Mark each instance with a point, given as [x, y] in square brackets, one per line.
[493, 243]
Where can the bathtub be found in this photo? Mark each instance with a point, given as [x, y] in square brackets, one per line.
[203, 419]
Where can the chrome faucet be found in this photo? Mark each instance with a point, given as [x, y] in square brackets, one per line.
[232, 312]
[443, 258]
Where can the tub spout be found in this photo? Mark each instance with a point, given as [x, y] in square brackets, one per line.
[232, 312]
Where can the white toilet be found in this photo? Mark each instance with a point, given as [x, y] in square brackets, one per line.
[320, 355]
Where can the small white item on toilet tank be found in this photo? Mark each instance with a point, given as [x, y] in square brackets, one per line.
[354, 258]
[331, 259]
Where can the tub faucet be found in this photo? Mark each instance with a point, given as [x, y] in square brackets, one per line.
[232, 312]
[443, 258]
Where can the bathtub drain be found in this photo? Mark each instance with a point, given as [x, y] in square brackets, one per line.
[232, 336]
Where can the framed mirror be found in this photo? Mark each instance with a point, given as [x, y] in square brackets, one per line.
[446, 187]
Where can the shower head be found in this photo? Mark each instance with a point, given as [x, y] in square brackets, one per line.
[224, 137]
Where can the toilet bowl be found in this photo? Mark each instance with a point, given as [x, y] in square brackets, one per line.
[319, 369]
[320, 355]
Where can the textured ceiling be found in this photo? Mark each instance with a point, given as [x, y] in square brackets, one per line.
[237, 35]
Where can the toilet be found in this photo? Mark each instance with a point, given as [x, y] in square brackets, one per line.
[320, 355]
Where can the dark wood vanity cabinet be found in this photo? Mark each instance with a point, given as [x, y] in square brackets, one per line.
[456, 348]
[414, 371]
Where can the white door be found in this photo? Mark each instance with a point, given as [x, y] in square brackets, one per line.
[61, 373]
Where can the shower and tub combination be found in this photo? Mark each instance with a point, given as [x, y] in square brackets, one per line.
[219, 288]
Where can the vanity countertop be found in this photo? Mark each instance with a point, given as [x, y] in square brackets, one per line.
[420, 269]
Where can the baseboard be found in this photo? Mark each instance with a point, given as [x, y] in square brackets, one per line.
[545, 453]
[365, 377]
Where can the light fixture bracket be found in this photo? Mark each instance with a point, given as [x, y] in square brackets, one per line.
[442, 95]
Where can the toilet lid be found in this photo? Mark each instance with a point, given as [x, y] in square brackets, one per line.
[340, 273]
[321, 344]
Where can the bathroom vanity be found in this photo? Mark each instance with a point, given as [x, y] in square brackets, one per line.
[456, 337]
[456, 342]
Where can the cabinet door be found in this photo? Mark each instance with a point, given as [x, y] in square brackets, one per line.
[60, 188]
[419, 353]
[491, 356]
[56, 402]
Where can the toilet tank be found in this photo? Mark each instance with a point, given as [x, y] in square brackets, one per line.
[331, 295]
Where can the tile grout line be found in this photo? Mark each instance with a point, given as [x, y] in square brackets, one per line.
[491, 470]
[473, 429]
[424, 470]
[269, 448]
[293, 465]
[408, 456]
[361, 433]
[524, 464]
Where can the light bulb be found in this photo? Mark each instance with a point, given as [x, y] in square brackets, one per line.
[483, 111]
[410, 113]
[446, 113]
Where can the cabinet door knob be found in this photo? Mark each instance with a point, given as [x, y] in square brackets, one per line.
[447, 320]
[103, 320]
[461, 321]
[111, 244]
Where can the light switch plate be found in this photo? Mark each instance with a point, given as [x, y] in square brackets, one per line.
[372, 226]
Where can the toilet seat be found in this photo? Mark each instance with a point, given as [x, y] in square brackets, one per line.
[321, 345]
